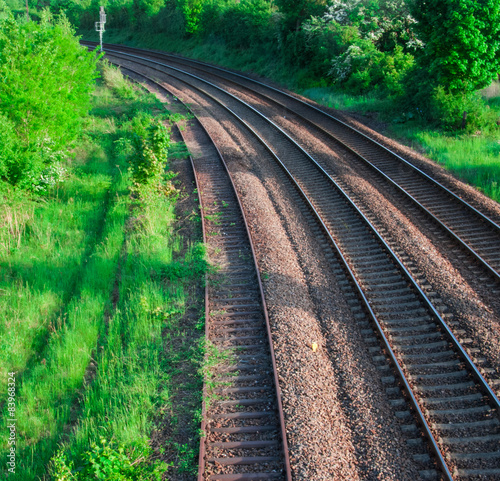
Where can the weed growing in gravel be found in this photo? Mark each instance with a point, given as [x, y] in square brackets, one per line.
[214, 358]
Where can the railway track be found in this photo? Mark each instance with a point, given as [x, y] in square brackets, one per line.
[455, 407]
[470, 229]
[243, 421]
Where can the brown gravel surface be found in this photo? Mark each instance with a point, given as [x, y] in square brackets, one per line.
[474, 302]
[467, 192]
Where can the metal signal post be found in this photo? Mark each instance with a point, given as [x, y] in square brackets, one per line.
[99, 26]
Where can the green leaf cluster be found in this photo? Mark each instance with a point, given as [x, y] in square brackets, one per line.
[107, 461]
[46, 82]
[351, 60]
[191, 10]
[151, 145]
[462, 42]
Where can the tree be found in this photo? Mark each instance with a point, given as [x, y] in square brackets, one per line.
[462, 42]
[296, 11]
[46, 82]
[191, 9]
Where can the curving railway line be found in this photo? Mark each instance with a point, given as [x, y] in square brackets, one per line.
[472, 230]
[445, 394]
[245, 437]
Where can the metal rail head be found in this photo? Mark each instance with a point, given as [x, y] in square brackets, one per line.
[284, 447]
[470, 249]
[317, 108]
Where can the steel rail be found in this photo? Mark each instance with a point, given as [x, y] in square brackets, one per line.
[366, 137]
[352, 275]
[473, 368]
[413, 400]
[286, 457]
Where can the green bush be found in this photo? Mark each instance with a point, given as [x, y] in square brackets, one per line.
[352, 62]
[449, 109]
[150, 158]
[107, 461]
[248, 22]
[8, 146]
[46, 80]
[462, 42]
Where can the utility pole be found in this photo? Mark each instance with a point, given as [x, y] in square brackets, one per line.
[27, 11]
[99, 26]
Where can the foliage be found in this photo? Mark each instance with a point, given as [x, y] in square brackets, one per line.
[463, 110]
[297, 11]
[151, 147]
[85, 310]
[113, 78]
[386, 23]
[462, 42]
[46, 80]
[253, 19]
[107, 461]
[354, 62]
[191, 10]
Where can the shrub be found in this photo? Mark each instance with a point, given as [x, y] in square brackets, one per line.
[362, 67]
[462, 42]
[449, 109]
[46, 80]
[109, 461]
[241, 24]
[350, 60]
[151, 145]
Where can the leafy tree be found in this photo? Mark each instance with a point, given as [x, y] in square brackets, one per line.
[296, 11]
[386, 23]
[349, 58]
[248, 22]
[192, 10]
[462, 42]
[46, 80]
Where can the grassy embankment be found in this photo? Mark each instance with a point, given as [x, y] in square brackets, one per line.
[472, 158]
[94, 284]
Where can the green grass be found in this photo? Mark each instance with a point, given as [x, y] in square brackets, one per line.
[343, 101]
[473, 158]
[88, 310]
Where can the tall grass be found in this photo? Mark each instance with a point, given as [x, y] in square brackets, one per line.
[62, 272]
[474, 159]
[41, 263]
[84, 305]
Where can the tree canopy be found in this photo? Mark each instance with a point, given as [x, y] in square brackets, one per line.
[46, 79]
[296, 11]
[462, 41]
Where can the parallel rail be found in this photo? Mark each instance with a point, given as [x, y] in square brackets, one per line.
[457, 409]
